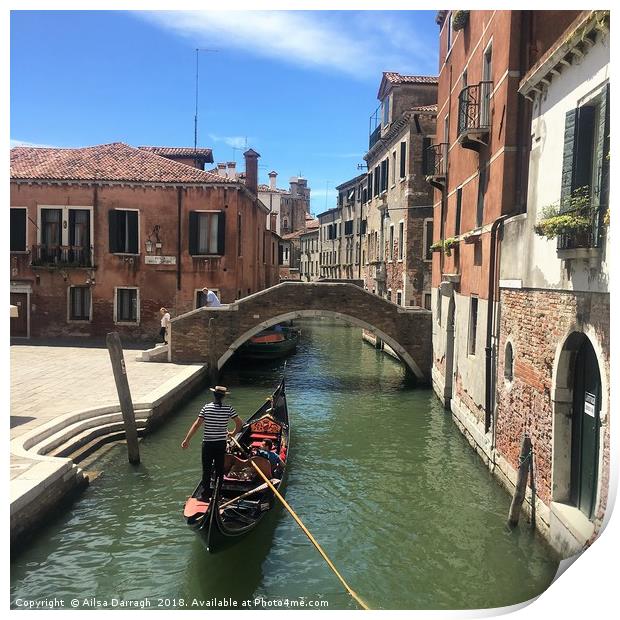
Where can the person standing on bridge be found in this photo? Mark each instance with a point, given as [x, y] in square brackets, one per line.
[209, 298]
[214, 418]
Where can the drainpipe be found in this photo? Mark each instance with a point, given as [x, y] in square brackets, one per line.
[488, 349]
[179, 205]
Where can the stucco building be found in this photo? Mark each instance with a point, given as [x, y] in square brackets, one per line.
[399, 211]
[103, 236]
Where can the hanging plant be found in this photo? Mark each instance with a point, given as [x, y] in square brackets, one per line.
[448, 244]
[437, 246]
[459, 20]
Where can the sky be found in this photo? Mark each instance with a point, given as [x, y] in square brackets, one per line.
[297, 86]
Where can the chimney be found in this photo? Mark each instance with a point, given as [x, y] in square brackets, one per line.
[272, 179]
[232, 172]
[221, 170]
[251, 170]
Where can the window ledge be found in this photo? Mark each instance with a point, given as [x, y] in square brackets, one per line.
[132, 323]
[579, 253]
[23, 252]
[208, 255]
[79, 321]
[125, 254]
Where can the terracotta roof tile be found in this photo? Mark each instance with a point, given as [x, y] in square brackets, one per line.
[179, 151]
[397, 78]
[277, 190]
[104, 162]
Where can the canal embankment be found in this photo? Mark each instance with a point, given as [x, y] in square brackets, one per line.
[64, 407]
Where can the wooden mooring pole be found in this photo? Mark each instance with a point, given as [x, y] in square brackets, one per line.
[115, 350]
[519, 495]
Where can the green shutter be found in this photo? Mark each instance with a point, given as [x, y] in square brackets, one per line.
[602, 189]
[132, 231]
[113, 230]
[403, 160]
[426, 157]
[582, 175]
[193, 232]
[568, 163]
[18, 230]
[221, 233]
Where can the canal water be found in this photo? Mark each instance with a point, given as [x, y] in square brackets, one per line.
[378, 472]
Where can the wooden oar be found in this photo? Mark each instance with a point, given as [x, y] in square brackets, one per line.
[305, 530]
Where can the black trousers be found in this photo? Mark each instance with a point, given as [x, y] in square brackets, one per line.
[212, 452]
[162, 334]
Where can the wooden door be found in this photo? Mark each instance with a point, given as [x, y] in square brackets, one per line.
[19, 324]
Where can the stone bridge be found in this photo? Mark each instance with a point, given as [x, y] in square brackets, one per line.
[212, 335]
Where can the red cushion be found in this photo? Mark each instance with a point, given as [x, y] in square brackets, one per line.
[283, 455]
[263, 436]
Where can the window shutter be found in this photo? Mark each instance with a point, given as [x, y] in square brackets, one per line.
[426, 142]
[18, 230]
[568, 163]
[582, 175]
[132, 231]
[71, 227]
[280, 255]
[113, 230]
[193, 232]
[387, 172]
[221, 233]
[403, 159]
[602, 189]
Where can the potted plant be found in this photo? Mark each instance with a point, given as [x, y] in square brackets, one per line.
[573, 215]
[448, 244]
[459, 20]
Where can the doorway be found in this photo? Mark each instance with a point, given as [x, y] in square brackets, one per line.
[19, 323]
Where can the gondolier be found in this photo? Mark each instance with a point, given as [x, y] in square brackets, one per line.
[214, 418]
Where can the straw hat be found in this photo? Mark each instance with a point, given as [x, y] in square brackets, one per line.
[220, 389]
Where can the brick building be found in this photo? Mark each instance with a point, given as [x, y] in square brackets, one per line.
[103, 236]
[398, 200]
[553, 353]
[486, 254]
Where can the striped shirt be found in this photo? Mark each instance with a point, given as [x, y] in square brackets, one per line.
[216, 416]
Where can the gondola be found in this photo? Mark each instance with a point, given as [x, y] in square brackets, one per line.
[270, 344]
[241, 500]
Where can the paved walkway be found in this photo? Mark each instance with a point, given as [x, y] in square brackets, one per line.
[51, 380]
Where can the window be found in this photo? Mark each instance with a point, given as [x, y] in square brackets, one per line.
[399, 298]
[457, 215]
[348, 227]
[473, 326]
[393, 175]
[401, 239]
[428, 239]
[18, 229]
[79, 303]
[123, 230]
[428, 158]
[508, 362]
[364, 225]
[449, 34]
[403, 159]
[126, 307]
[427, 301]
[386, 111]
[478, 253]
[446, 130]
[377, 180]
[482, 180]
[206, 232]
[239, 235]
[51, 227]
[385, 167]
[200, 298]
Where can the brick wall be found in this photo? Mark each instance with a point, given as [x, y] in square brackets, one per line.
[536, 322]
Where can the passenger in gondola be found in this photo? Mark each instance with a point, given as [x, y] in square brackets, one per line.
[214, 418]
[266, 451]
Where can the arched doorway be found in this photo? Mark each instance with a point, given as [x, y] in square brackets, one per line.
[585, 429]
[577, 423]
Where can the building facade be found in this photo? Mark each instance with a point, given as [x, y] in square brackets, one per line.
[353, 231]
[398, 200]
[508, 317]
[330, 240]
[553, 352]
[310, 253]
[102, 237]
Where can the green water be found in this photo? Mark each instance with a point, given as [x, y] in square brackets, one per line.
[378, 472]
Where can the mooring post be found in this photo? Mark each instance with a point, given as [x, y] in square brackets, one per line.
[519, 495]
[115, 349]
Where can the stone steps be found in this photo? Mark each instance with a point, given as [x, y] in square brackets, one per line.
[159, 353]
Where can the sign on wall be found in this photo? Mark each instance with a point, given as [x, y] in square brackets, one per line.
[160, 260]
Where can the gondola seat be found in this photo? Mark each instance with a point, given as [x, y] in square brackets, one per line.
[271, 436]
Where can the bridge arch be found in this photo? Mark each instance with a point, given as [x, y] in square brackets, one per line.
[212, 335]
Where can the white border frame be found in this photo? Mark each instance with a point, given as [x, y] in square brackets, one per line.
[90, 309]
[27, 290]
[114, 310]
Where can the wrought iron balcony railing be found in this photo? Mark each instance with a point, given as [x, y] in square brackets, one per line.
[436, 160]
[61, 256]
[589, 238]
[474, 108]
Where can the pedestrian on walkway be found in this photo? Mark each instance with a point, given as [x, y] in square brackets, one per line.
[214, 417]
[209, 298]
[165, 322]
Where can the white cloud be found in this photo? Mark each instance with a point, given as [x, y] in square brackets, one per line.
[33, 144]
[237, 142]
[360, 44]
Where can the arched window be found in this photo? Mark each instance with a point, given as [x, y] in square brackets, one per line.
[508, 362]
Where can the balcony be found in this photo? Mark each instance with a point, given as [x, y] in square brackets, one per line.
[474, 120]
[586, 242]
[374, 128]
[61, 256]
[436, 164]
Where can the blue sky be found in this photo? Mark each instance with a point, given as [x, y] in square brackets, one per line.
[298, 85]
